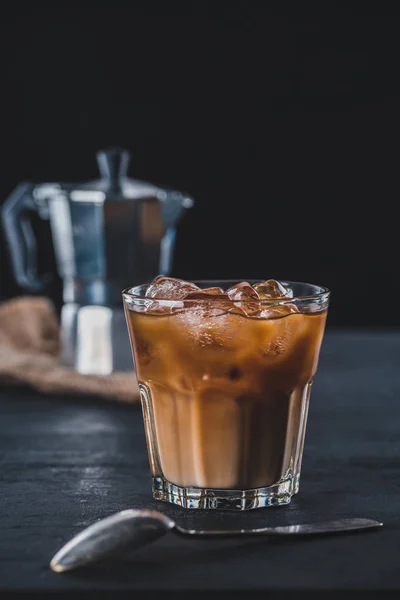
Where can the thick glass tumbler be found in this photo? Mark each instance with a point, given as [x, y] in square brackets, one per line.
[225, 389]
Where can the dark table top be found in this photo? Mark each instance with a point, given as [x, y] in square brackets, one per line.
[67, 462]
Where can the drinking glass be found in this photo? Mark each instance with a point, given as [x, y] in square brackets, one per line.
[225, 389]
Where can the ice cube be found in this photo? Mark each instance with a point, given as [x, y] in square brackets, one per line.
[211, 302]
[283, 329]
[207, 305]
[205, 296]
[213, 291]
[205, 317]
[170, 288]
[271, 289]
[162, 307]
[242, 291]
[245, 298]
[203, 324]
[277, 312]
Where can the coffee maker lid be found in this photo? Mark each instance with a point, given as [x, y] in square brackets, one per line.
[114, 184]
[113, 166]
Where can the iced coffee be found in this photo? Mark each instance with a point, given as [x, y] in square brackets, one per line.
[225, 373]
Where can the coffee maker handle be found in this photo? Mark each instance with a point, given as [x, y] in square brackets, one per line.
[20, 238]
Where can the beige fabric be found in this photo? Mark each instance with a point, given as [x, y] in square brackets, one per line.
[30, 355]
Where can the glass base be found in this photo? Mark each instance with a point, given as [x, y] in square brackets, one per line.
[191, 497]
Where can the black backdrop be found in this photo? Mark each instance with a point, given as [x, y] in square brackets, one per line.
[283, 127]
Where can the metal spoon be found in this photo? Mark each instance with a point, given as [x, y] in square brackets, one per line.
[136, 528]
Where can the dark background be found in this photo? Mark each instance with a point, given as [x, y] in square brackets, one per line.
[283, 127]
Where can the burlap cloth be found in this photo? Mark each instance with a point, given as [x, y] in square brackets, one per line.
[30, 355]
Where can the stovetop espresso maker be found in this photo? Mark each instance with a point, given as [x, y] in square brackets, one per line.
[107, 234]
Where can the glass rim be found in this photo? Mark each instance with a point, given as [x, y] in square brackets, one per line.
[320, 293]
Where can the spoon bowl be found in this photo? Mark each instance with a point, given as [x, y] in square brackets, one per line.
[128, 528]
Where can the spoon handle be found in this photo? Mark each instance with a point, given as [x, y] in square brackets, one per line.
[323, 528]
